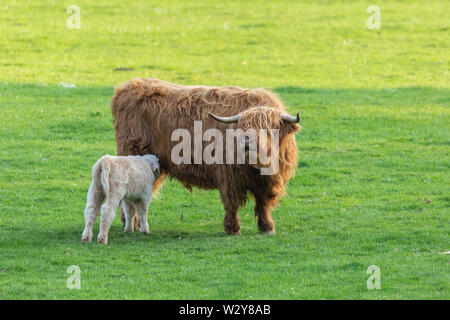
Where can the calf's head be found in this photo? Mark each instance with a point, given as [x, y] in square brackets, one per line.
[153, 162]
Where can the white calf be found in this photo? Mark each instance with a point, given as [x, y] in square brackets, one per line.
[120, 179]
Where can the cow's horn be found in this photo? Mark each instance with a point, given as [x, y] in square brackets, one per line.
[232, 119]
[289, 118]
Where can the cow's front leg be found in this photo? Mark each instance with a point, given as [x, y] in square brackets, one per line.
[263, 212]
[231, 222]
[134, 218]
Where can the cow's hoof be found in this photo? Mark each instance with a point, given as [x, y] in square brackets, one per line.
[233, 233]
[266, 230]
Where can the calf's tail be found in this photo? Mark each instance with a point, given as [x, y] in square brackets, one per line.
[104, 173]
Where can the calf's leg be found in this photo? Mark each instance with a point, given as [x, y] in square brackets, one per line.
[129, 211]
[126, 147]
[108, 214]
[142, 210]
[136, 221]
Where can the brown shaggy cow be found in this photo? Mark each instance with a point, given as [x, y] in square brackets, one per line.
[147, 111]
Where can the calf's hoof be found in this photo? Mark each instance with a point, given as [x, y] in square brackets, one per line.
[102, 240]
[145, 229]
[86, 239]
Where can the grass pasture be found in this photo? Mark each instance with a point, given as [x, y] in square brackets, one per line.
[372, 183]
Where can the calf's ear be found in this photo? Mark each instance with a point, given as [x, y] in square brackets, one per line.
[155, 169]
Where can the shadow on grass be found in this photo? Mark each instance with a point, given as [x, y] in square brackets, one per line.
[39, 237]
[345, 96]
[43, 236]
[388, 97]
[39, 91]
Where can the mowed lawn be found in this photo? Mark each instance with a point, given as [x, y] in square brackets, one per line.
[372, 183]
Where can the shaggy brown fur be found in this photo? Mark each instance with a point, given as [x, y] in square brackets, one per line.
[147, 111]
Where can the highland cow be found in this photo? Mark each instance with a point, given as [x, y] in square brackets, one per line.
[126, 180]
[147, 111]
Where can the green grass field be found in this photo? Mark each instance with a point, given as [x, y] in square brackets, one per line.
[373, 149]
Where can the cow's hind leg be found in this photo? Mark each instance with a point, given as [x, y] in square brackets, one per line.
[134, 218]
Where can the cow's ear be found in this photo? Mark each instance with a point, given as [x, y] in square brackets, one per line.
[291, 127]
